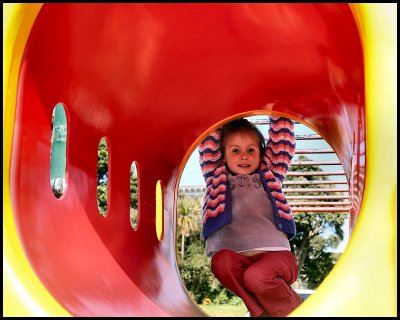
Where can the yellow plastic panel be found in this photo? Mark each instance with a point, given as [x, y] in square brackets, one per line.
[159, 211]
[364, 282]
[23, 293]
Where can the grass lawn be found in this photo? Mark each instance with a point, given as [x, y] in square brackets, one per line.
[224, 310]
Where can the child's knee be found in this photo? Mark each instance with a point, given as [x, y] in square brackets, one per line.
[251, 280]
[256, 281]
[221, 260]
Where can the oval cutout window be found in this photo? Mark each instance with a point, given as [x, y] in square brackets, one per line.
[58, 153]
[159, 211]
[133, 210]
[102, 176]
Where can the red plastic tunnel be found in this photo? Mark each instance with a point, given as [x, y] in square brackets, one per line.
[154, 79]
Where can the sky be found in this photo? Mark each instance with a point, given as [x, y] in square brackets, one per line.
[192, 176]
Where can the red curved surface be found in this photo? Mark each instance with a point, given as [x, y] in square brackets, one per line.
[153, 78]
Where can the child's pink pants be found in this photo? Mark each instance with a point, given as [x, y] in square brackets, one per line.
[262, 281]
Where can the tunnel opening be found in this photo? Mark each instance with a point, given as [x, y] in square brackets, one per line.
[318, 193]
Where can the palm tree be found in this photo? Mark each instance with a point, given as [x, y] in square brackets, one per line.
[189, 212]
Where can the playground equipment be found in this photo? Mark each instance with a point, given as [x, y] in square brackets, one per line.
[115, 67]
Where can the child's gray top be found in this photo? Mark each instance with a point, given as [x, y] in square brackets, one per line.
[252, 226]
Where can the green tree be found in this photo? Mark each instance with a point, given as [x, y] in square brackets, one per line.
[196, 273]
[134, 191]
[313, 240]
[102, 193]
[134, 199]
[102, 183]
[102, 176]
[189, 213]
[102, 161]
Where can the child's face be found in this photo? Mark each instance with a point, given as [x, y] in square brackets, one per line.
[242, 152]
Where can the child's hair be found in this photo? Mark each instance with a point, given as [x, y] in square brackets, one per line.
[243, 125]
